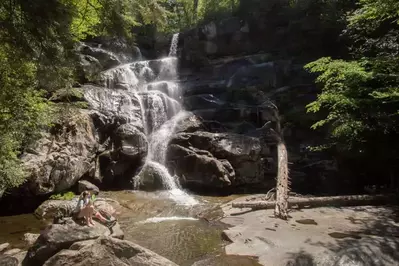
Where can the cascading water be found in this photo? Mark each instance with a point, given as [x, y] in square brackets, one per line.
[174, 45]
[153, 87]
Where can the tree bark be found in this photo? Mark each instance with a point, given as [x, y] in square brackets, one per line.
[282, 187]
[314, 202]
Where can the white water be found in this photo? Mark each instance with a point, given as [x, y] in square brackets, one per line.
[174, 44]
[147, 91]
[163, 219]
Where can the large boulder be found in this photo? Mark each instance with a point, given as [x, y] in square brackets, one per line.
[199, 154]
[105, 58]
[113, 106]
[61, 236]
[15, 259]
[150, 177]
[131, 142]
[199, 168]
[84, 185]
[62, 157]
[30, 239]
[51, 209]
[107, 251]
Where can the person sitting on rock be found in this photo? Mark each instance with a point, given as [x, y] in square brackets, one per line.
[85, 209]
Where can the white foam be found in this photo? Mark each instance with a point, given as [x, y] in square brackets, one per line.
[164, 219]
[182, 198]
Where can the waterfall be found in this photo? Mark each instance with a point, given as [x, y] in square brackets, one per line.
[148, 92]
[173, 45]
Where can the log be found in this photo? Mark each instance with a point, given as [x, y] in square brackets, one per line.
[313, 202]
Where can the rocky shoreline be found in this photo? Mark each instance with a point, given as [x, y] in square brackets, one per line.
[321, 236]
[67, 242]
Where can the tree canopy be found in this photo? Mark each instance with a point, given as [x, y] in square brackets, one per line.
[361, 95]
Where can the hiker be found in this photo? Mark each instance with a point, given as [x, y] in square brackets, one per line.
[85, 209]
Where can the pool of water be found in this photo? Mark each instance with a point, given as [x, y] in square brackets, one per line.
[13, 228]
[188, 234]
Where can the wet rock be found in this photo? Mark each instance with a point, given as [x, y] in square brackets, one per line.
[13, 259]
[4, 246]
[131, 142]
[190, 124]
[61, 157]
[86, 185]
[61, 236]
[199, 167]
[8, 261]
[150, 177]
[106, 113]
[108, 251]
[88, 67]
[12, 252]
[245, 155]
[30, 238]
[105, 58]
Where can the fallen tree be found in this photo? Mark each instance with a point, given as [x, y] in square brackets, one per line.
[313, 202]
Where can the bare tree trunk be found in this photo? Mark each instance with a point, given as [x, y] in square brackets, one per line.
[282, 187]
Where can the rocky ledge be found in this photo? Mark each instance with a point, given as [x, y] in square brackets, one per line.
[321, 236]
[69, 243]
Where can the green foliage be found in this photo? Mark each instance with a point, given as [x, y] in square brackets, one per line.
[360, 96]
[23, 112]
[188, 13]
[63, 196]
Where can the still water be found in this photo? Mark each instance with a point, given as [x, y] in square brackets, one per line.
[187, 235]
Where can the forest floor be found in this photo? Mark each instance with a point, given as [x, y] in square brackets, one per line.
[364, 235]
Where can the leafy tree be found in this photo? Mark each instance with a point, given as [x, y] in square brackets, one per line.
[23, 112]
[361, 95]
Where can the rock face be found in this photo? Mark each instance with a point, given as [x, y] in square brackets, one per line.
[59, 160]
[218, 159]
[227, 79]
[86, 185]
[107, 251]
[61, 236]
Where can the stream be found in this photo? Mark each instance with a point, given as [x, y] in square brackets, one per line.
[155, 221]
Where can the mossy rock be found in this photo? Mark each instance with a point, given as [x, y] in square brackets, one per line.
[68, 95]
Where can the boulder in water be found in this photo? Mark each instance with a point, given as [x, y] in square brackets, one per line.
[150, 177]
[243, 154]
[107, 251]
[13, 260]
[30, 239]
[61, 236]
[4, 246]
[198, 167]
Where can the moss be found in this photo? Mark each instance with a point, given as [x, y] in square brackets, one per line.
[67, 95]
[63, 196]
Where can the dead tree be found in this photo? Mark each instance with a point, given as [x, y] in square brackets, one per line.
[282, 186]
